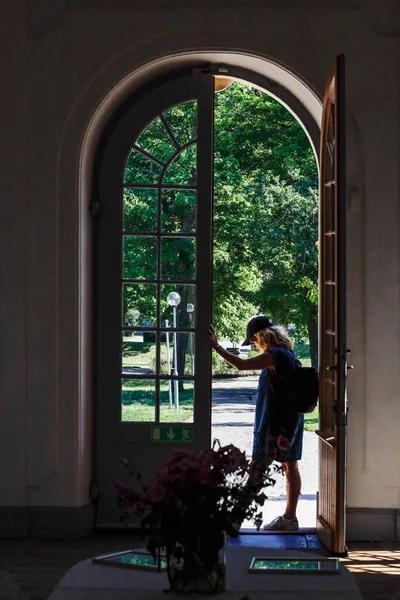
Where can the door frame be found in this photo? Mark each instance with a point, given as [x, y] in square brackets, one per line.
[88, 122]
[280, 93]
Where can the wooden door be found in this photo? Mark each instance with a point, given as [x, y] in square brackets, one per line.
[332, 342]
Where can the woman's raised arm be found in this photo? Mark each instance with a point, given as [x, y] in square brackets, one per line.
[257, 363]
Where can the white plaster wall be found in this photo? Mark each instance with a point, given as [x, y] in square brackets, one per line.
[373, 440]
[13, 376]
[73, 54]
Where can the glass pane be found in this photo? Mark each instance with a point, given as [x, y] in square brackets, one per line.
[178, 211]
[176, 401]
[139, 305]
[330, 147]
[186, 309]
[139, 257]
[182, 120]
[140, 210]
[331, 129]
[140, 169]
[181, 346]
[138, 353]
[156, 141]
[329, 170]
[183, 169]
[177, 258]
[138, 397]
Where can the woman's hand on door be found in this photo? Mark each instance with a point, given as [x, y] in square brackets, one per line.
[212, 337]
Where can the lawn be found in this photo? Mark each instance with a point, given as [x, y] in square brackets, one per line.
[146, 414]
[138, 395]
[142, 355]
[302, 351]
[138, 402]
[311, 421]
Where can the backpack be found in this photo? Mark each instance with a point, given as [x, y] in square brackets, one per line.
[304, 389]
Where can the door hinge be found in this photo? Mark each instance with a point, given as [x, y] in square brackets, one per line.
[95, 208]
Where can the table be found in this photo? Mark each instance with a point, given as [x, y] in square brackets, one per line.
[88, 581]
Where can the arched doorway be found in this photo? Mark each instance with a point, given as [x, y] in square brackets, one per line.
[156, 329]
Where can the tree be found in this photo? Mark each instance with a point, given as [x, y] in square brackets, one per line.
[266, 214]
[265, 217]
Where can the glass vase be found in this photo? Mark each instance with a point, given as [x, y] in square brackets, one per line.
[192, 573]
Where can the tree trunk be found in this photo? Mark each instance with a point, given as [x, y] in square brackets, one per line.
[312, 327]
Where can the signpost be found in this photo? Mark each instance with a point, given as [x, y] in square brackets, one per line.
[176, 433]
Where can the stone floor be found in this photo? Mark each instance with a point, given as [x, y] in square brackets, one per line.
[36, 566]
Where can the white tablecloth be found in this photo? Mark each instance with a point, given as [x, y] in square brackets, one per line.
[88, 581]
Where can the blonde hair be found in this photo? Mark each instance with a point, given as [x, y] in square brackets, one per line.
[274, 335]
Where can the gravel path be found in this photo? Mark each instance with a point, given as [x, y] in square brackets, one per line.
[232, 422]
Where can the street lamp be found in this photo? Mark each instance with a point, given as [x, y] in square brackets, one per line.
[174, 300]
[190, 310]
[168, 363]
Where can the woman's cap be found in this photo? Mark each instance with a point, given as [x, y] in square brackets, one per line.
[256, 324]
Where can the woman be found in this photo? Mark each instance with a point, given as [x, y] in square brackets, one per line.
[278, 430]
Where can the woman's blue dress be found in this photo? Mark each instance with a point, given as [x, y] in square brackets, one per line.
[278, 430]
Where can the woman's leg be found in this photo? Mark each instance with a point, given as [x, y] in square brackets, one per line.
[293, 487]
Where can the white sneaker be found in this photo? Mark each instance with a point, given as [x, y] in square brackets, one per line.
[282, 524]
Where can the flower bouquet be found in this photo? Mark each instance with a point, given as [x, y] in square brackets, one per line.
[194, 500]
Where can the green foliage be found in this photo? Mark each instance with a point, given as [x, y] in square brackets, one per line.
[265, 214]
[255, 135]
[289, 288]
[221, 367]
[230, 315]
[302, 352]
[311, 421]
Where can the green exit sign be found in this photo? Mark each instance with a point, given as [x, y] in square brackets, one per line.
[165, 433]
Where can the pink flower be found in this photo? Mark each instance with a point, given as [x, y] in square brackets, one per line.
[283, 443]
[201, 491]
